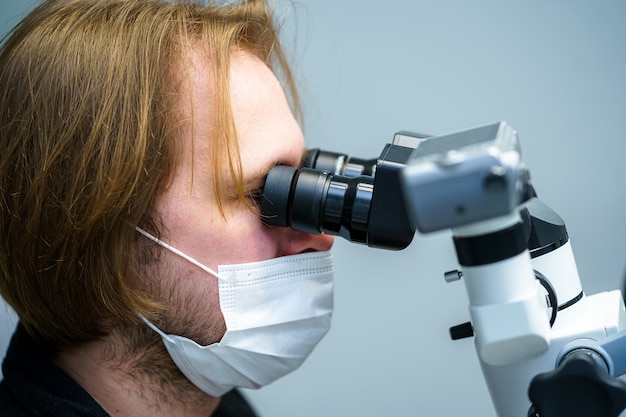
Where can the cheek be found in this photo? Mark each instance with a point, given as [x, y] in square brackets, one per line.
[203, 233]
[193, 302]
[247, 241]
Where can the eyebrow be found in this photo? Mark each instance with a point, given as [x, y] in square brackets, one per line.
[254, 180]
[262, 173]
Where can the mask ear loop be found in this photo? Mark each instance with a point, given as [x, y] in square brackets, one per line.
[179, 253]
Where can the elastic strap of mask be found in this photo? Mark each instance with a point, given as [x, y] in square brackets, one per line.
[178, 252]
[156, 329]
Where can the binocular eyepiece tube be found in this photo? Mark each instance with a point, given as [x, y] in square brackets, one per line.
[339, 164]
[356, 199]
[318, 202]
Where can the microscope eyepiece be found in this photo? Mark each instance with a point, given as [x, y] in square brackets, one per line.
[315, 201]
[334, 194]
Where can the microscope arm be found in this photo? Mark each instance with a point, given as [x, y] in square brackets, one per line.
[467, 182]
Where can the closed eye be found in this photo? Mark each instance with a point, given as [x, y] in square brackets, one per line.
[255, 197]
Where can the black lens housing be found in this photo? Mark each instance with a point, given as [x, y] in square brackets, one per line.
[318, 202]
[339, 163]
[367, 209]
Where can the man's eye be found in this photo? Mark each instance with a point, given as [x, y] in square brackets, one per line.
[256, 196]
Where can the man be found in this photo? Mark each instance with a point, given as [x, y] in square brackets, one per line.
[136, 136]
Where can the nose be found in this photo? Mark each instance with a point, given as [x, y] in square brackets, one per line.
[293, 242]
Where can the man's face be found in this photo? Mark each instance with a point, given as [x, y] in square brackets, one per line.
[268, 135]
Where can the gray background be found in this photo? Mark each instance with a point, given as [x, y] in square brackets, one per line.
[555, 70]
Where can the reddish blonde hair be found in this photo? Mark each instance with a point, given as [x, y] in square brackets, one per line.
[89, 142]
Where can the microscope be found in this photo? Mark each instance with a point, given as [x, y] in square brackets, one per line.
[546, 349]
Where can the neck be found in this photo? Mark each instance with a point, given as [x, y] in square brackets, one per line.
[134, 376]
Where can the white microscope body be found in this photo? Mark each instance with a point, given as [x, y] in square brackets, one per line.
[527, 305]
[546, 349]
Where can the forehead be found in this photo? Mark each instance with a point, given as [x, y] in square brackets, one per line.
[265, 124]
[266, 132]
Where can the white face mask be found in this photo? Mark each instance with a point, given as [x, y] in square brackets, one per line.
[276, 312]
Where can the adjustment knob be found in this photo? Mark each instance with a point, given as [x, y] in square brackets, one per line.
[580, 386]
[462, 331]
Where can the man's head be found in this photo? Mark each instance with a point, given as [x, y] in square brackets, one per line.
[118, 113]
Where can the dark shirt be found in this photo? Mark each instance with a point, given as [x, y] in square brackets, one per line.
[34, 385]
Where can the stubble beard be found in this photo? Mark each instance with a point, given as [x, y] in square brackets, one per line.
[139, 350]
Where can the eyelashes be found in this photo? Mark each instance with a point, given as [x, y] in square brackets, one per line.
[255, 197]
